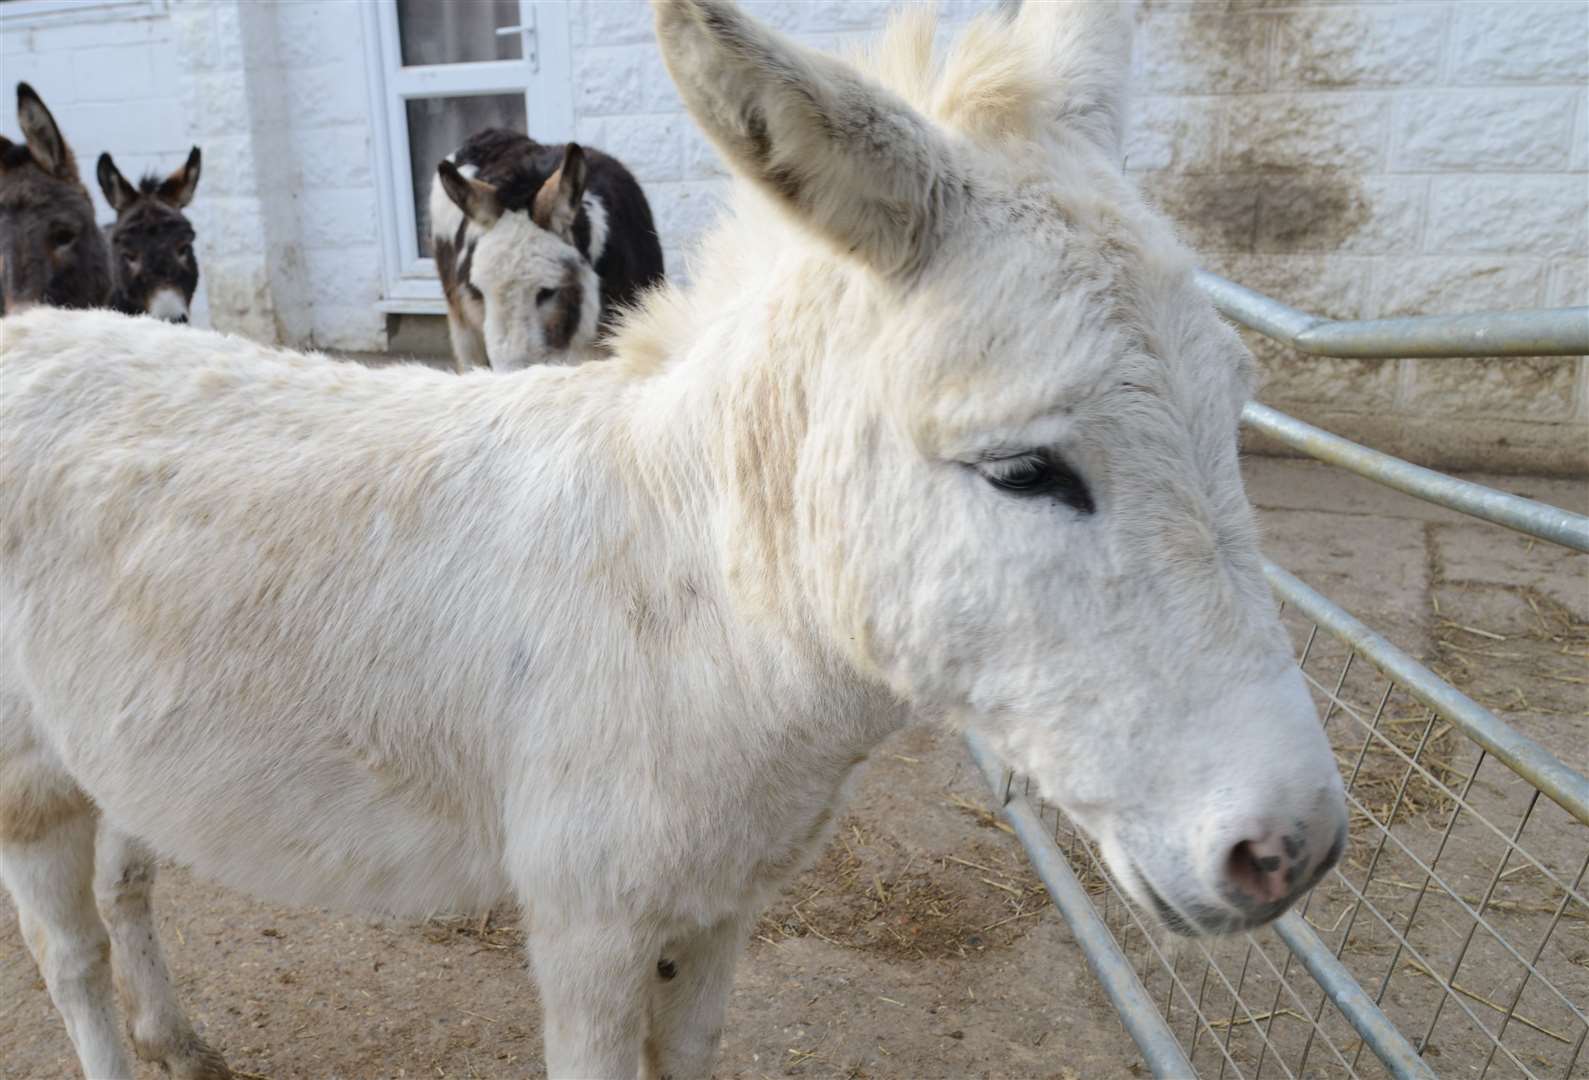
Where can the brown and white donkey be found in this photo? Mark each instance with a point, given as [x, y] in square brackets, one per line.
[538, 247]
[51, 252]
[151, 245]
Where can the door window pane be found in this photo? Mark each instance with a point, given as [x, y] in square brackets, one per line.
[453, 32]
[438, 126]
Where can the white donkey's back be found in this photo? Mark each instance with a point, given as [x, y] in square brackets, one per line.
[247, 556]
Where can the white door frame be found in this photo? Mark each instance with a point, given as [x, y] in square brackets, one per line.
[544, 76]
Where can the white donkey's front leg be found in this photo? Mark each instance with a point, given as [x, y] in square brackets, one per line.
[48, 864]
[594, 978]
[690, 995]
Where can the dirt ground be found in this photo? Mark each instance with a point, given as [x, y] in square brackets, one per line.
[920, 945]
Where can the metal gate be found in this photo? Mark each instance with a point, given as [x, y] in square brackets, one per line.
[1367, 977]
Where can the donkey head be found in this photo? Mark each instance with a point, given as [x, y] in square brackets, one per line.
[50, 250]
[987, 435]
[152, 261]
[541, 295]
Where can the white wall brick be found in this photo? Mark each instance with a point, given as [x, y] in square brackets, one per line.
[1520, 42]
[1529, 388]
[617, 22]
[1308, 131]
[1569, 284]
[657, 85]
[653, 145]
[1435, 285]
[1525, 215]
[339, 218]
[152, 126]
[119, 73]
[1480, 130]
[1201, 50]
[1321, 212]
[63, 38]
[323, 96]
[356, 327]
[239, 290]
[310, 33]
[1215, 212]
[335, 157]
[1180, 134]
[1346, 46]
[608, 79]
[229, 167]
[232, 226]
[683, 210]
[55, 85]
[344, 277]
[194, 23]
[220, 103]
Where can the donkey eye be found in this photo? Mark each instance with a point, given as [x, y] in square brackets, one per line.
[1039, 473]
[544, 295]
[62, 235]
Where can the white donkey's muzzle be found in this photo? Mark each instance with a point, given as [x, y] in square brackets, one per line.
[1260, 837]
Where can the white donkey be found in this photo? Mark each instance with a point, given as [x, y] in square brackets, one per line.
[943, 430]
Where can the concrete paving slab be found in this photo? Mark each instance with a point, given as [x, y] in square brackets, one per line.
[1375, 567]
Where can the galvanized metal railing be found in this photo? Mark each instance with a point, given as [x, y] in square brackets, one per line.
[1438, 944]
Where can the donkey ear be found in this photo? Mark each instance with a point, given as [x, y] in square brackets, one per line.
[477, 199]
[118, 193]
[557, 203]
[43, 135]
[178, 188]
[845, 157]
[1088, 47]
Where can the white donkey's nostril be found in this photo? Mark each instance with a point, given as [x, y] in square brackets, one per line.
[1260, 871]
[1279, 867]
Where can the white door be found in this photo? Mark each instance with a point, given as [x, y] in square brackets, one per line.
[439, 71]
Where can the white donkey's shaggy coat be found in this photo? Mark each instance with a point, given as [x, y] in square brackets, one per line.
[944, 429]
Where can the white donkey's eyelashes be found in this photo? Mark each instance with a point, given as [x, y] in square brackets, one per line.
[1037, 473]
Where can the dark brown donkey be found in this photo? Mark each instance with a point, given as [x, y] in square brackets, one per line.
[51, 252]
[151, 245]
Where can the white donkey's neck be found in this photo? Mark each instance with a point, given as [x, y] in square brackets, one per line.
[691, 465]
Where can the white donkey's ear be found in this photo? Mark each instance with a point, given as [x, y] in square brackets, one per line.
[1088, 46]
[848, 159]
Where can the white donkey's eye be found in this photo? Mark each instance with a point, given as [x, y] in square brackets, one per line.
[1035, 473]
